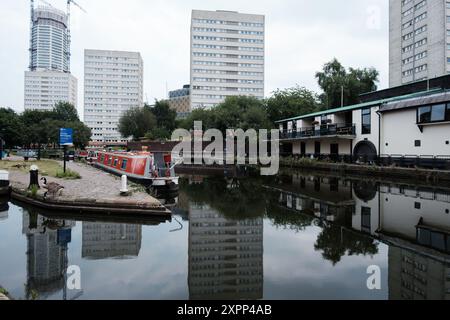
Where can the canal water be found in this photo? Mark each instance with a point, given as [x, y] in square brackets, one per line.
[295, 236]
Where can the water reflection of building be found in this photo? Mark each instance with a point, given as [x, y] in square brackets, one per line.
[47, 261]
[326, 197]
[413, 221]
[225, 256]
[110, 240]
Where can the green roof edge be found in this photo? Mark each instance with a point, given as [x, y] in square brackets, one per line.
[362, 105]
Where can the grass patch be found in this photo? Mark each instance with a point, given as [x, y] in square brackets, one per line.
[69, 175]
[32, 193]
[48, 168]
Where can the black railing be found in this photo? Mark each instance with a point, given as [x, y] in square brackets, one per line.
[406, 161]
[335, 129]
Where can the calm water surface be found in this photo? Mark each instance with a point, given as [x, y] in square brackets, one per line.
[295, 236]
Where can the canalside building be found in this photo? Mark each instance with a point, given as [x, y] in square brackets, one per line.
[408, 124]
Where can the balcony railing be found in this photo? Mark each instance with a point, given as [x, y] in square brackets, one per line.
[325, 130]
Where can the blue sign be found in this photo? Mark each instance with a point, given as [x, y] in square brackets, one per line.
[66, 137]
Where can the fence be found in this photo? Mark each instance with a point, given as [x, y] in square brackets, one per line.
[440, 162]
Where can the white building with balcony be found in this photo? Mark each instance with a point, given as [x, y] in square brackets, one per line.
[409, 125]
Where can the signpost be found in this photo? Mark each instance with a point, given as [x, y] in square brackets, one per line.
[65, 140]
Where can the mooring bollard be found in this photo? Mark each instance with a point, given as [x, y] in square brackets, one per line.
[124, 187]
[34, 177]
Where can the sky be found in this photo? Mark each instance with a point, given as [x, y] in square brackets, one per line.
[301, 35]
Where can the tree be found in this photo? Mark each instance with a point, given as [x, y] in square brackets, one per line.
[65, 111]
[137, 122]
[334, 77]
[291, 103]
[11, 128]
[81, 134]
[236, 112]
[165, 116]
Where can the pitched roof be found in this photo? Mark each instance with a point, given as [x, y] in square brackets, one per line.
[362, 105]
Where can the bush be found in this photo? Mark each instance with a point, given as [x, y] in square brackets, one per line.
[69, 175]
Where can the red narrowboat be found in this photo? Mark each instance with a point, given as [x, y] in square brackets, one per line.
[155, 170]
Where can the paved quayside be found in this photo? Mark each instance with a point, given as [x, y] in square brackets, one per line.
[96, 192]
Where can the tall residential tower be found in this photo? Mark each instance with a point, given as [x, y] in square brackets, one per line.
[419, 40]
[113, 83]
[48, 80]
[227, 56]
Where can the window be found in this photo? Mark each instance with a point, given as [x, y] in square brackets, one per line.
[435, 113]
[366, 121]
[366, 214]
[417, 143]
[438, 113]
[424, 114]
[324, 119]
[116, 161]
[124, 164]
[110, 161]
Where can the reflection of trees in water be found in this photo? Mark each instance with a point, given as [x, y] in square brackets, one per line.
[335, 242]
[235, 199]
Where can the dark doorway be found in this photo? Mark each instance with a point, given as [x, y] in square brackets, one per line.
[365, 151]
[303, 148]
[317, 150]
[286, 149]
[334, 151]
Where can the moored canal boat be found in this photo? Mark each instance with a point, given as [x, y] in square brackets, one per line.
[154, 170]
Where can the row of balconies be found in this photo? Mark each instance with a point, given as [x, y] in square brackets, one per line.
[334, 129]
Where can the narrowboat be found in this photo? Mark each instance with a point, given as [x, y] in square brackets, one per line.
[154, 170]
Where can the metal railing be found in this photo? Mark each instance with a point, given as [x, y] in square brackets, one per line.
[440, 162]
[334, 129]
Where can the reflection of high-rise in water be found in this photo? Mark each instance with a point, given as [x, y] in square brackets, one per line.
[46, 254]
[111, 240]
[413, 221]
[225, 256]
[413, 275]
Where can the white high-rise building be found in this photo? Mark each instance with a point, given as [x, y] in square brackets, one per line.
[227, 56]
[419, 40]
[48, 80]
[113, 84]
[44, 89]
[50, 40]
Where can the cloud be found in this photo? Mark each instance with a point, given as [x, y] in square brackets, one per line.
[300, 37]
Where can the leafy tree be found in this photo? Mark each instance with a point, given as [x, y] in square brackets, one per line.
[137, 122]
[334, 77]
[11, 128]
[291, 103]
[159, 133]
[165, 116]
[207, 117]
[236, 112]
[65, 111]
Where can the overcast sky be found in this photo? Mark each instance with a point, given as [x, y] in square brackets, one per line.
[301, 35]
